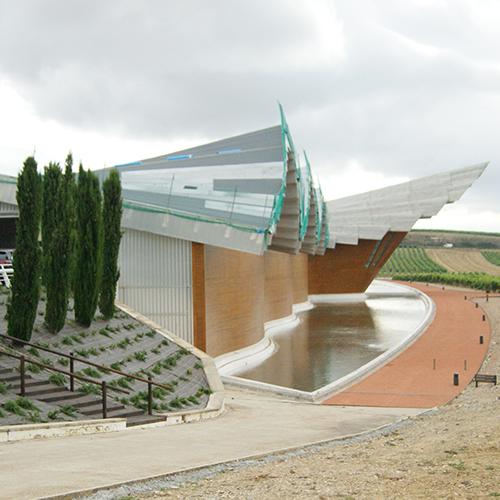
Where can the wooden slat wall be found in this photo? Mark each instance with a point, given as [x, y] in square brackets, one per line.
[243, 291]
[342, 269]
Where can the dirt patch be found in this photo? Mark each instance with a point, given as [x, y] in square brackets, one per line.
[463, 261]
[451, 453]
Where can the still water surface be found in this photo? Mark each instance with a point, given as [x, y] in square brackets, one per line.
[333, 340]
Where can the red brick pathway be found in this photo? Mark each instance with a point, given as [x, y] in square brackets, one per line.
[410, 380]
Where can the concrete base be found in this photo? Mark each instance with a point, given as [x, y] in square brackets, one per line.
[10, 433]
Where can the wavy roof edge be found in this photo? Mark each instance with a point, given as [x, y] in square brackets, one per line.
[372, 214]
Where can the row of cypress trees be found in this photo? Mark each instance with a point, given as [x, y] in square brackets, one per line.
[80, 243]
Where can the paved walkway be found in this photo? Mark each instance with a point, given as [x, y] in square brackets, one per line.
[252, 425]
[411, 379]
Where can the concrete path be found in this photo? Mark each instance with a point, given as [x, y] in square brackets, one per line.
[422, 375]
[253, 425]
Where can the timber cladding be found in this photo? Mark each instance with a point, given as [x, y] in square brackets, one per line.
[351, 268]
[241, 292]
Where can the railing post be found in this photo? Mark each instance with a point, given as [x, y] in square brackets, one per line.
[150, 396]
[22, 372]
[104, 401]
[71, 370]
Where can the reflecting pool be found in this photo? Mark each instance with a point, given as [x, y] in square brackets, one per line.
[333, 340]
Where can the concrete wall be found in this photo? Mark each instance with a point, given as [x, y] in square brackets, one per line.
[155, 280]
[351, 268]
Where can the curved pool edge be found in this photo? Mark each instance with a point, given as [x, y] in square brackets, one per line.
[254, 354]
[351, 378]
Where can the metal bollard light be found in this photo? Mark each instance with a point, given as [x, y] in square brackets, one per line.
[150, 396]
[104, 400]
[455, 379]
[71, 370]
[22, 373]
[481, 339]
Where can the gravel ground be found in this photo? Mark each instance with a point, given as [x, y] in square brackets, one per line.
[452, 452]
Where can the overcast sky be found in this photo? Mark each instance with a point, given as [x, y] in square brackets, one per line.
[377, 92]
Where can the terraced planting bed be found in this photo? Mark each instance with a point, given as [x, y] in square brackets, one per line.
[122, 343]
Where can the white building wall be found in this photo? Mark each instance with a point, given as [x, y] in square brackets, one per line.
[155, 280]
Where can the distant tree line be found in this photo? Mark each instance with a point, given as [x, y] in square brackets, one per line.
[79, 225]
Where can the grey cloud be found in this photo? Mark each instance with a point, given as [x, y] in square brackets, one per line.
[416, 91]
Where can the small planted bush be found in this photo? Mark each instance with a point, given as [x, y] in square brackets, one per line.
[68, 410]
[34, 351]
[140, 356]
[89, 389]
[67, 340]
[105, 333]
[124, 383]
[12, 407]
[124, 343]
[53, 414]
[63, 361]
[91, 372]
[3, 387]
[26, 404]
[30, 367]
[57, 379]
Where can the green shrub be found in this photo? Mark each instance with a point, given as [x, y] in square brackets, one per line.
[53, 414]
[26, 404]
[68, 410]
[57, 379]
[12, 407]
[479, 281]
[30, 367]
[140, 356]
[34, 351]
[63, 361]
[89, 389]
[89, 371]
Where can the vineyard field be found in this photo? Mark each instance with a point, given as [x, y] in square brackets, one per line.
[463, 261]
[410, 260]
[493, 257]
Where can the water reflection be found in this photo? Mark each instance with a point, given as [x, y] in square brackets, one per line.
[332, 340]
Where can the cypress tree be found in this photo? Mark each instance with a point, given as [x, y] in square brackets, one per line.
[88, 261]
[111, 217]
[56, 251]
[51, 182]
[70, 186]
[27, 256]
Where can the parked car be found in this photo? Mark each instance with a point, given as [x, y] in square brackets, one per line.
[6, 254]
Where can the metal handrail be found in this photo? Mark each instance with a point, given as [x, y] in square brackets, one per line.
[81, 360]
[72, 359]
[22, 373]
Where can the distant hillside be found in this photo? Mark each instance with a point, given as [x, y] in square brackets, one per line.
[459, 239]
